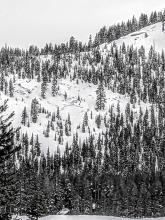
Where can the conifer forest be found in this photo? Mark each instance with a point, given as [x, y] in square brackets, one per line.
[82, 125]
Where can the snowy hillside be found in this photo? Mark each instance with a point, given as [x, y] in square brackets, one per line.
[81, 96]
[82, 126]
[151, 35]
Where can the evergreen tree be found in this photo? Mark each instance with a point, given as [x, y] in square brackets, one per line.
[98, 121]
[37, 146]
[11, 88]
[6, 87]
[24, 116]
[2, 81]
[54, 86]
[83, 127]
[44, 83]
[7, 166]
[163, 26]
[68, 126]
[101, 97]
[34, 110]
[85, 119]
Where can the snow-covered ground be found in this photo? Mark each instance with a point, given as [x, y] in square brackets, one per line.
[26, 90]
[71, 106]
[89, 217]
[151, 35]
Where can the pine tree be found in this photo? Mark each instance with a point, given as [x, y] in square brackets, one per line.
[7, 166]
[101, 97]
[98, 121]
[44, 83]
[83, 127]
[68, 126]
[47, 131]
[6, 135]
[2, 81]
[65, 96]
[90, 43]
[37, 68]
[32, 140]
[85, 119]
[6, 87]
[37, 146]
[11, 88]
[58, 113]
[34, 110]
[24, 116]
[163, 26]
[54, 86]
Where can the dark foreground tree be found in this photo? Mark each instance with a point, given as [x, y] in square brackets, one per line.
[7, 161]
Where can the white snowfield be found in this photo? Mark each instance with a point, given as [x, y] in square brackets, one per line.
[85, 217]
[26, 90]
[71, 105]
[91, 217]
[151, 35]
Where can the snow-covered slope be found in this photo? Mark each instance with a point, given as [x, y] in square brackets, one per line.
[91, 217]
[151, 35]
[26, 90]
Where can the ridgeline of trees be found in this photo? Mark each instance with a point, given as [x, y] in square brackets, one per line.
[8, 148]
[105, 35]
